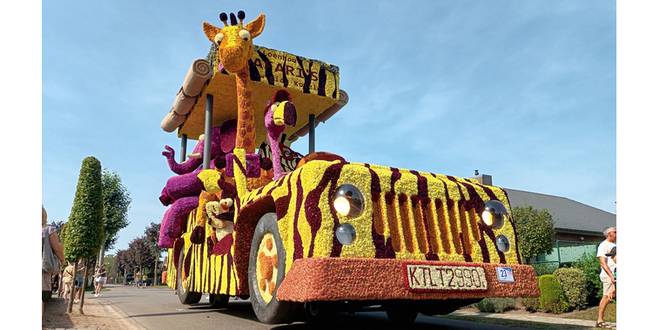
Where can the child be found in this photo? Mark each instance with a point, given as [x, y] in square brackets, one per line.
[67, 280]
[612, 264]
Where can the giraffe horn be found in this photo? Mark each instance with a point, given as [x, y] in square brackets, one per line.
[241, 17]
[223, 18]
[232, 18]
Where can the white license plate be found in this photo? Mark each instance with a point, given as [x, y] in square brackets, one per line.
[429, 277]
[505, 274]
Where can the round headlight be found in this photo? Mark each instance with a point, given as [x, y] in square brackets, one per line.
[493, 214]
[502, 243]
[345, 234]
[348, 201]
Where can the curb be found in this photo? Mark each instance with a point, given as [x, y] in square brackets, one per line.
[532, 318]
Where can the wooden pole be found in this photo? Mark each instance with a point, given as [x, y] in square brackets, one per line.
[84, 285]
[72, 294]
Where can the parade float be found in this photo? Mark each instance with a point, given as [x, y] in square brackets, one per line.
[301, 235]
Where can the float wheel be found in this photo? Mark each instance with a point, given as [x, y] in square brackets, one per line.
[266, 272]
[185, 296]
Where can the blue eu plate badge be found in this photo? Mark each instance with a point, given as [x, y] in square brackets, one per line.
[505, 274]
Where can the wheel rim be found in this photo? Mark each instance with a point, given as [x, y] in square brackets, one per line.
[267, 267]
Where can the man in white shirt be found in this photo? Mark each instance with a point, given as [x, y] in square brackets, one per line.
[606, 275]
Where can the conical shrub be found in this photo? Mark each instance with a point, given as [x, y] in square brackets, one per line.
[84, 232]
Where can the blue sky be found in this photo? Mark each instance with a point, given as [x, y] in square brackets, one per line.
[521, 90]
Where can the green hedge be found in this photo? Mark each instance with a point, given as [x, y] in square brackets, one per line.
[496, 305]
[590, 267]
[574, 287]
[545, 268]
[531, 304]
[552, 299]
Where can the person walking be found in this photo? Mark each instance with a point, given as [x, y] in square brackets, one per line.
[52, 256]
[79, 282]
[67, 280]
[607, 266]
[99, 280]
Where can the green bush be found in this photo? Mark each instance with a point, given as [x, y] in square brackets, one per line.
[590, 267]
[535, 229]
[551, 300]
[531, 304]
[545, 268]
[573, 286]
[84, 230]
[496, 305]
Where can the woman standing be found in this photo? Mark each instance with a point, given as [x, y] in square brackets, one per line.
[99, 278]
[50, 246]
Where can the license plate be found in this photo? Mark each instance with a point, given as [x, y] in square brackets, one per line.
[505, 274]
[429, 277]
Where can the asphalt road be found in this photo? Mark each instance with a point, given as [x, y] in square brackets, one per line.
[159, 308]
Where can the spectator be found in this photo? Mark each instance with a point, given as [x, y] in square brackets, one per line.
[50, 241]
[612, 255]
[606, 272]
[79, 282]
[67, 280]
[99, 280]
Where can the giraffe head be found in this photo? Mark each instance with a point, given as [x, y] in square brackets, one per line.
[234, 40]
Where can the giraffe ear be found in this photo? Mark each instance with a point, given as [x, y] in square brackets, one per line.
[210, 31]
[257, 26]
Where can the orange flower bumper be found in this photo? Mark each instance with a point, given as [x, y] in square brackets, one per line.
[332, 279]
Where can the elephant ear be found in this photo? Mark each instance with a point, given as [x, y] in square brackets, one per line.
[228, 136]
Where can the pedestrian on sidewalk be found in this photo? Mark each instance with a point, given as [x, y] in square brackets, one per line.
[67, 280]
[52, 256]
[606, 272]
[79, 282]
[99, 280]
[612, 255]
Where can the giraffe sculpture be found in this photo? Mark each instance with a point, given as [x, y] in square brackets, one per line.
[234, 42]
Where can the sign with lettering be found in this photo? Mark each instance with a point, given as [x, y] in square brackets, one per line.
[505, 274]
[282, 69]
[429, 277]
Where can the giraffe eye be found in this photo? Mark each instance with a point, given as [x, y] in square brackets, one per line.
[244, 34]
[218, 38]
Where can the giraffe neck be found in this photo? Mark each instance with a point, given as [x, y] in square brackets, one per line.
[245, 128]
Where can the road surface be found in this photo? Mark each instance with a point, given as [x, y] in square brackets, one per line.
[159, 308]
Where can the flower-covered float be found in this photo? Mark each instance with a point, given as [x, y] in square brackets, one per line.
[303, 235]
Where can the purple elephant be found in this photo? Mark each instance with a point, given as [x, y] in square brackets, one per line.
[182, 191]
[186, 183]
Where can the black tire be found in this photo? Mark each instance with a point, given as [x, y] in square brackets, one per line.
[319, 313]
[401, 316]
[218, 300]
[185, 297]
[274, 311]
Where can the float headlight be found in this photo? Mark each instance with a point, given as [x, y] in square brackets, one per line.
[493, 214]
[345, 234]
[502, 243]
[348, 201]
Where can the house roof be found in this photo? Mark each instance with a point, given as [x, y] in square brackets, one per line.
[568, 215]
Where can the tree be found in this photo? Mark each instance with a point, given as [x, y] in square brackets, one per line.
[535, 229]
[151, 234]
[140, 254]
[84, 230]
[116, 201]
